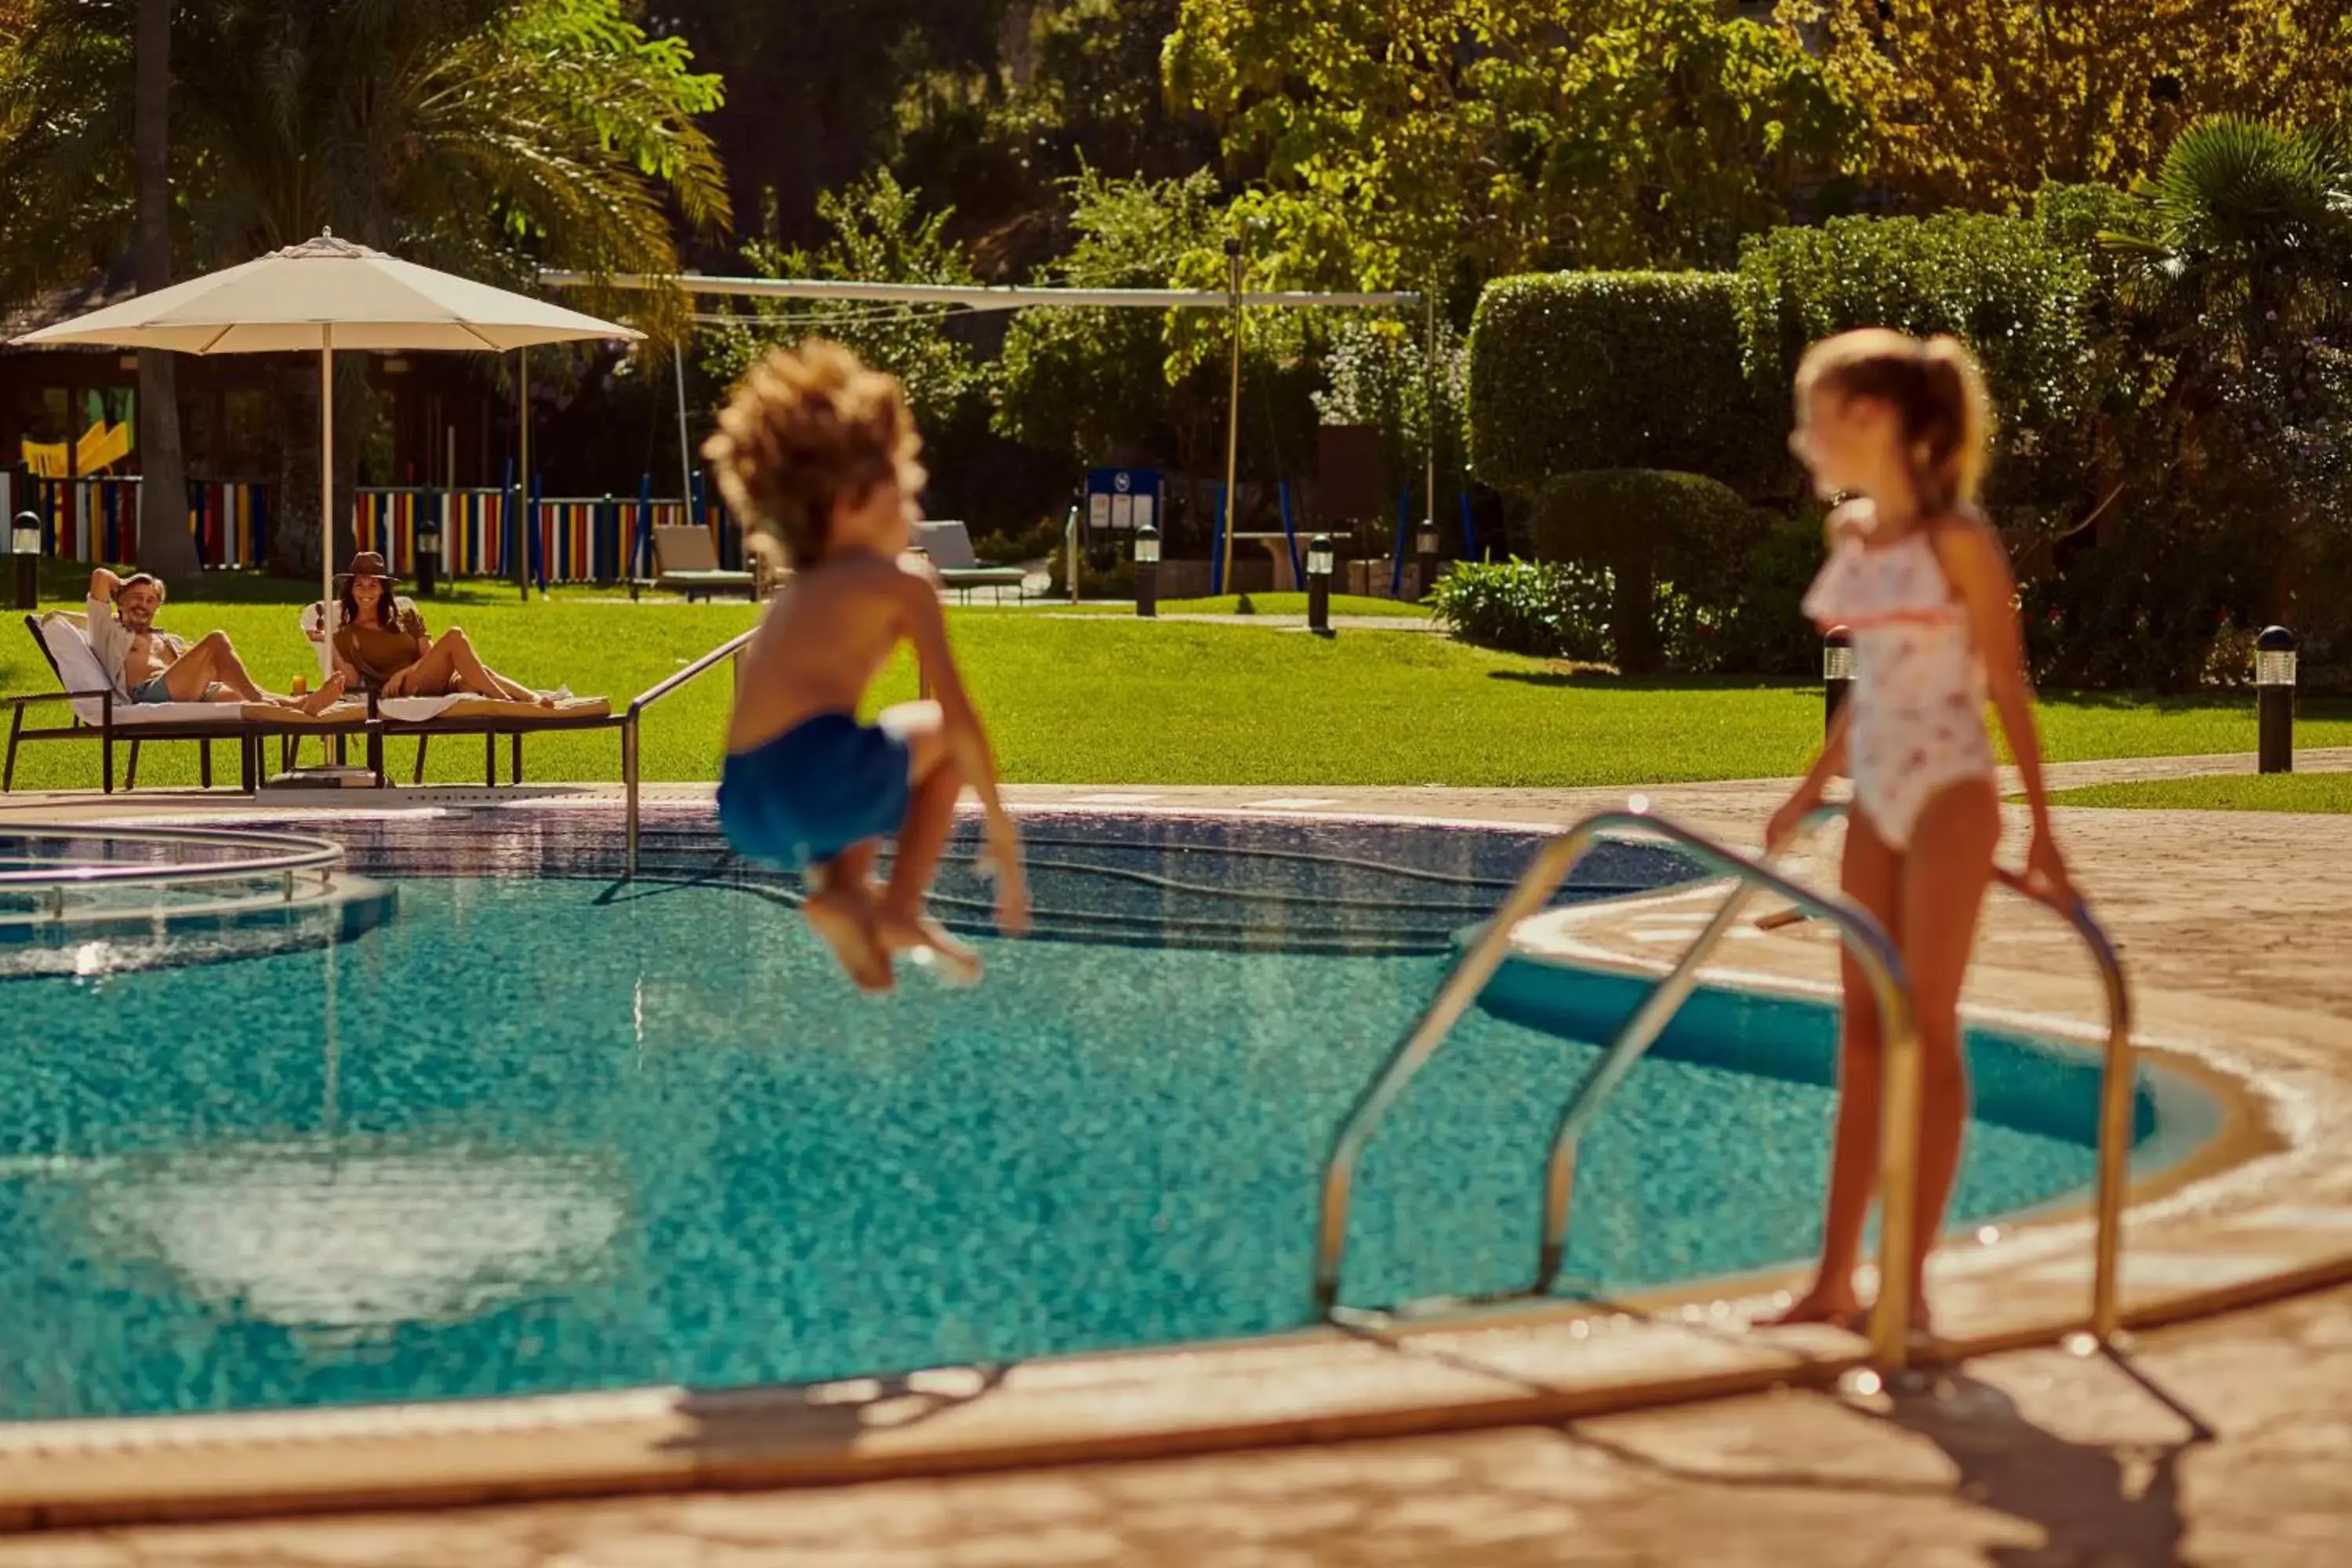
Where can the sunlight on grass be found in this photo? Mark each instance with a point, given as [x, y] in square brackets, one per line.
[1117, 700]
[2327, 792]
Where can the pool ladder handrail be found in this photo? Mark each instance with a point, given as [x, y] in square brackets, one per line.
[1882, 966]
[732, 649]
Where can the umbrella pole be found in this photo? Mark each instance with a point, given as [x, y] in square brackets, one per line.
[327, 500]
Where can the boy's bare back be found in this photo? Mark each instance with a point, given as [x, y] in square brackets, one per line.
[825, 639]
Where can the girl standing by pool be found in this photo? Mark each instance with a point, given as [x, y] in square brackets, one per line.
[1919, 578]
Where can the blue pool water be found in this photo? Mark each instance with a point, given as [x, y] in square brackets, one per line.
[543, 1131]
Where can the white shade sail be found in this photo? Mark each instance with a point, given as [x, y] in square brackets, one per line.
[328, 292]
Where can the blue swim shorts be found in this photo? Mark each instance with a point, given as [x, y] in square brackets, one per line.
[821, 786]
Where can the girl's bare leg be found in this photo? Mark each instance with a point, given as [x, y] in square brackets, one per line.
[1944, 881]
[930, 819]
[431, 676]
[1871, 877]
[840, 909]
[472, 675]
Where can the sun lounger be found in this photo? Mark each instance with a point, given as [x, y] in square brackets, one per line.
[686, 561]
[427, 717]
[949, 546]
[102, 713]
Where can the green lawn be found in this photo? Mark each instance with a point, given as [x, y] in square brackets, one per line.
[1121, 701]
[2239, 791]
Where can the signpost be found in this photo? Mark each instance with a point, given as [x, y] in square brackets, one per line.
[1122, 501]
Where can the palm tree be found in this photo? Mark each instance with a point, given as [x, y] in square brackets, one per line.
[2236, 293]
[489, 137]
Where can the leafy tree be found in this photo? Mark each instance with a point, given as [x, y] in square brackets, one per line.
[881, 233]
[164, 544]
[1980, 102]
[1389, 142]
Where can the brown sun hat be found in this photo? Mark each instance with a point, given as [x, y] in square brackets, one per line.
[366, 563]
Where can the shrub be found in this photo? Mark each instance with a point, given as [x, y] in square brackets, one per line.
[1577, 370]
[1019, 549]
[2015, 290]
[1642, 524]
[1544, 609]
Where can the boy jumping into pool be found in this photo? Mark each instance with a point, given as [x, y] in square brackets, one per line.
[816, 456]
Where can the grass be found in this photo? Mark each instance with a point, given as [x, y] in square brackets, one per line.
[1115, 700]
[2325, 793]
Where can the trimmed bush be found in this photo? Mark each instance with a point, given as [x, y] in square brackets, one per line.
[1642, 524]
[1543, 608]
[1573, 371]
[2010, 288]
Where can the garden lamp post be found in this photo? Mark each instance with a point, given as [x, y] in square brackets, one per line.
[429, 554]
[24, 546]
[1837, 673]
[1425, 551]
[1318, 585]
[2274, 675]
[1147, 572]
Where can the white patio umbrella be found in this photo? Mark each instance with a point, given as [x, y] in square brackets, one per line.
[328, 294]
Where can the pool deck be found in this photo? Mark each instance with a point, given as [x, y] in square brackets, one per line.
[2221, 1438]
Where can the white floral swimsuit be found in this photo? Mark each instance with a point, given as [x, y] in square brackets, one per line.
[1918, 693]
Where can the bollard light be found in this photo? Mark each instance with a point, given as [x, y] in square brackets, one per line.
[25, 544]
[428, 555]
[1147, 572]
[1318, 585]
[1424, 546]
[2274, 675]
[1837, 673]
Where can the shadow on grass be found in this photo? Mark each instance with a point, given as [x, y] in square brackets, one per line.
[1609, 680]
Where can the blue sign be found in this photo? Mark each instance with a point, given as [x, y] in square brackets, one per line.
[1122, 500]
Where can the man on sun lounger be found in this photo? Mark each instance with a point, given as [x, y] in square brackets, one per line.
[148, 665]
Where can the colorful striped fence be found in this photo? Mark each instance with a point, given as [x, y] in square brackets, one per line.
[580, 539]
[474, 523]
[97, 519]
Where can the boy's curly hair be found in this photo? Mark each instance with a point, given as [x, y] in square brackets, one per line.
[806, 428]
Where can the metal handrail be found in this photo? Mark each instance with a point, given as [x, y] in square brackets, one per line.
[2117, 1081]
[1634, 1038]
[732, 647]
[297, 852]
[1872, 949]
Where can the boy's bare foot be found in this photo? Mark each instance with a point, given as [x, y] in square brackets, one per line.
[846, 923]
[1838, 1309]
[919, 934]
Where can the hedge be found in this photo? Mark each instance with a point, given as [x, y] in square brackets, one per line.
[2013, 289]
[1573, 371]
[1643, 524]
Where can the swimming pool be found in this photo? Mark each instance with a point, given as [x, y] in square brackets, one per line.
[545, 1130]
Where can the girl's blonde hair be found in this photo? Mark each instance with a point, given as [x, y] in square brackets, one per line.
[807, 429]
[1937, 392]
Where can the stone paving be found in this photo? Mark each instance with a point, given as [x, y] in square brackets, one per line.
[2222, 1441]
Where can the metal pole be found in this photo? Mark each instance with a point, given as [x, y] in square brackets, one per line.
[1428, 441]
[526, 518]
[448, 512]
[684, 452]
[327, 499]
[1233, 411]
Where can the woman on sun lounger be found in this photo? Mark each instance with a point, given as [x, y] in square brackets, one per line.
[382, 648]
